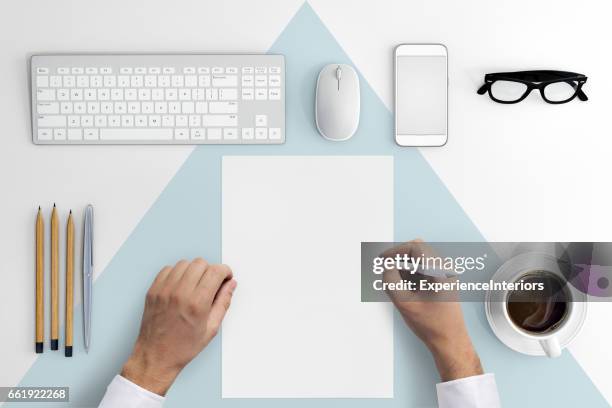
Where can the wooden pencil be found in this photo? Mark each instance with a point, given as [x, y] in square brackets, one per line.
[40, 292]
[54, 279]
[69, 284]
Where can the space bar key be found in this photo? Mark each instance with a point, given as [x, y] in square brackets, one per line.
[128, 135]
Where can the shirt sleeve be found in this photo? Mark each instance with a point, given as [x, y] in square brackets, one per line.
[479, 391]
[122, 393]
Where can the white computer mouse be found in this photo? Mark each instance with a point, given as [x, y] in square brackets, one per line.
[337, 102]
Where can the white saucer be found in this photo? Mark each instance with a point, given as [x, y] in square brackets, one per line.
[495, 306]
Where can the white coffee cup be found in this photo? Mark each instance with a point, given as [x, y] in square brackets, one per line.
[549, 343]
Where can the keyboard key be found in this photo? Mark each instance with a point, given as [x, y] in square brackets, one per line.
[204, 81]
[76, 94]
[261, 120]
[261, 94]
[274, 70]
[188, 107]
[214, 134]
[195, 121]
[123, 81]
[100, 121]
[127, 121]
[202, 107]
[189, 70]
[55, 81]
[87, 121]
[222, 107]
[77, 70]
[93, 107]
[248, 94]
[69, 81]
[42, 70]
[274, 94]
[191, 81]
[46, 121]
[63, 70]
[261, 133]
[177, 81]
[248, 81]
[126, 70]
[95, 81]
[150, 81]
[106, 107]
[247, 70]
[181, 120]
[224, 80]
[91, 70]
[174, 107]
[220, 120]
[154, 121]
[114, 121]
[66, 107]
[261, 80]
[90, 134]
[261, 70]
[218, 70]
[231, 70]
[59, 134]
[79, 107]
[63, 94]
[140, 70]
[75, 134]
[135, 134]
[275, 80]
[42, 81]
[109, 81]
[212, 94]
[203, 70]
[44, 108]
[198, 133]
[181, 134]
[228, 94]
[168, 121]
[140, 120]
[275, 134]
[106, 70]
[74, 121]
[45, 94]
[230, 134]
[155, 70]
[45, 134]
[248, 133]
[168, 70]
[82, 81]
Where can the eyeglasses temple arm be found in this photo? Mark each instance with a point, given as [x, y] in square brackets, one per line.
[483, 89]
[582, 96]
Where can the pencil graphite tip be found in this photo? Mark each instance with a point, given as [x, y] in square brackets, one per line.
[70, 212]
[39, 208]
[53, 205]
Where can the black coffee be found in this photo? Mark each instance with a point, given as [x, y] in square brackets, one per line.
[539, 311]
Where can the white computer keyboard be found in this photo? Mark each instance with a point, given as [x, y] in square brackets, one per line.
[158, 99]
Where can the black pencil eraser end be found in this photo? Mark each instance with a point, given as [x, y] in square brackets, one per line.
[68, 352]
[39, 347]
[54, 344]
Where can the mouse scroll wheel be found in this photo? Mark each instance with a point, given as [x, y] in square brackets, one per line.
[338, 73]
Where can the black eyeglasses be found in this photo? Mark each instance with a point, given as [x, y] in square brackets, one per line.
[554, 86]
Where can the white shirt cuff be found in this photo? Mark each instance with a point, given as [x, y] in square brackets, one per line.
[478, 391]
[122, 393]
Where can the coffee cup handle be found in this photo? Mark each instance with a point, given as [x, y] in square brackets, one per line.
[551, 347]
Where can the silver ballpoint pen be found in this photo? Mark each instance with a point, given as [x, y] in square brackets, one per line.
[87, 274]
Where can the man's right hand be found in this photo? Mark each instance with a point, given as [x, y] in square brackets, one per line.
[438, 323]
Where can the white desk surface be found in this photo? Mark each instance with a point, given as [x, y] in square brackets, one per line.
[522, 172]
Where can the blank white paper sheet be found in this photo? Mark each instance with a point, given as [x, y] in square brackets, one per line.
[292, 233]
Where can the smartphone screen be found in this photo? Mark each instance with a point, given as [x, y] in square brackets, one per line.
[421, 94]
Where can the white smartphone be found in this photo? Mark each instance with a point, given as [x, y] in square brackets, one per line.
[421, 95]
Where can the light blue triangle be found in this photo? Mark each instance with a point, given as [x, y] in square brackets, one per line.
[185, 222]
